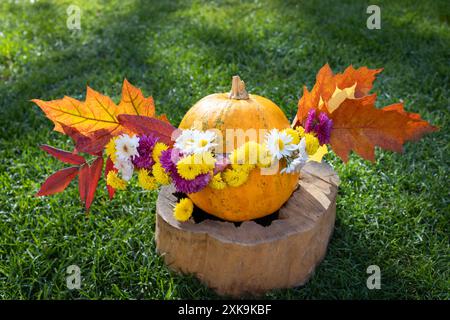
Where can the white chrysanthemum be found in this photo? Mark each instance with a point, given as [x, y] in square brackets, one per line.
[185, 141]
[195, 141]
[125, 168]
[204, 141]
[279, 144]
[299, 161]
[126, 147]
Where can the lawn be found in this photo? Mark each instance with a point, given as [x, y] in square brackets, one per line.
[393, 213]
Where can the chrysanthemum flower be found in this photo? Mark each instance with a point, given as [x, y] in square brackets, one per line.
[183, 210]
[294, 134]
[113, 180]
[217, 182]
[195, 141]
[279, 144]
[207, 161]
[235, 178]
[126, 147]
[190, 186]
[264, 157]
[321, 125]
[125, 168]
[146, 181]
[246, 154]
[160, 174]
[297, 163]
[169, 158]
[157, 149]
[312, 143]
[144, 159]
[187, 168]
[185, 141]
[300, 130]
[204, 141]
[110, 149]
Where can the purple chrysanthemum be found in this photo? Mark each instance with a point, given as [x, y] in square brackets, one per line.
[190, 186]
[324, 128]
[310, 122]
[145, 160]
[321, 126]
[169, 159]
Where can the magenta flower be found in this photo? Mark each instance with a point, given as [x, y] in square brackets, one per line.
[321, 125]
[324, 128]
[190, 186]
[145, 160]
[169, 159]
[310, 123]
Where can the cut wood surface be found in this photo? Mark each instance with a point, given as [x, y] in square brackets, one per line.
[251, 259]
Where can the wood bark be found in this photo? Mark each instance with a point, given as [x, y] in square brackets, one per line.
[252, 259]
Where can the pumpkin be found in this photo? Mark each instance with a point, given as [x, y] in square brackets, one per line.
[261, 195]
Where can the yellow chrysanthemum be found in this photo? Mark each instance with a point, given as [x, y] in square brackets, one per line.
[146, 181]
[183, 209]
[235, 178]
[321, 151]
[189, 168]
[294, 134]
[301, 131]
[264, 157]
[217, 182]
[245, 154]
[243, 167]
[160, 174]
[113, 180]
[110, 149]
[207, 162]
[157, 149]
[312, 144]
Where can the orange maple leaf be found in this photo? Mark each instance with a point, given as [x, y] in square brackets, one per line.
[357, 124]
[97, 112]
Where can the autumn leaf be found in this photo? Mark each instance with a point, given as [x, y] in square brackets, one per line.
[88, 180]
[64, 156]
[109, 167]
[98, 113]
[92, 143]
[357, 124]
[147, 125]
[334, 89]
[134, 102]
[58, 181]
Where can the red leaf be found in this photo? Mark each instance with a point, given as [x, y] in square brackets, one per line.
[88, 180]
[64, 156]
[146, 125]
[95, 171]
[58, 181]
[82, 181]
[93, 144]
[109, 167]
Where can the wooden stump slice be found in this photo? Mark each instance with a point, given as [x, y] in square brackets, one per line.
[251, 259]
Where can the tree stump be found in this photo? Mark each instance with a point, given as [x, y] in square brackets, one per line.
[251, 259]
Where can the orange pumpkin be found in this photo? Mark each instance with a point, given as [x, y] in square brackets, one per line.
[261, 195]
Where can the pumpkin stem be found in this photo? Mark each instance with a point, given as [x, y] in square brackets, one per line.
[238, 89]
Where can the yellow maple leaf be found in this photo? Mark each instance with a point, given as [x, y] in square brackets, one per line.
[97, 111]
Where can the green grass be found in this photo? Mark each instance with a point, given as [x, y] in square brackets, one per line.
[393, 213]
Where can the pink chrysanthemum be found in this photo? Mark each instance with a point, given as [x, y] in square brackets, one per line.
[145, 160]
